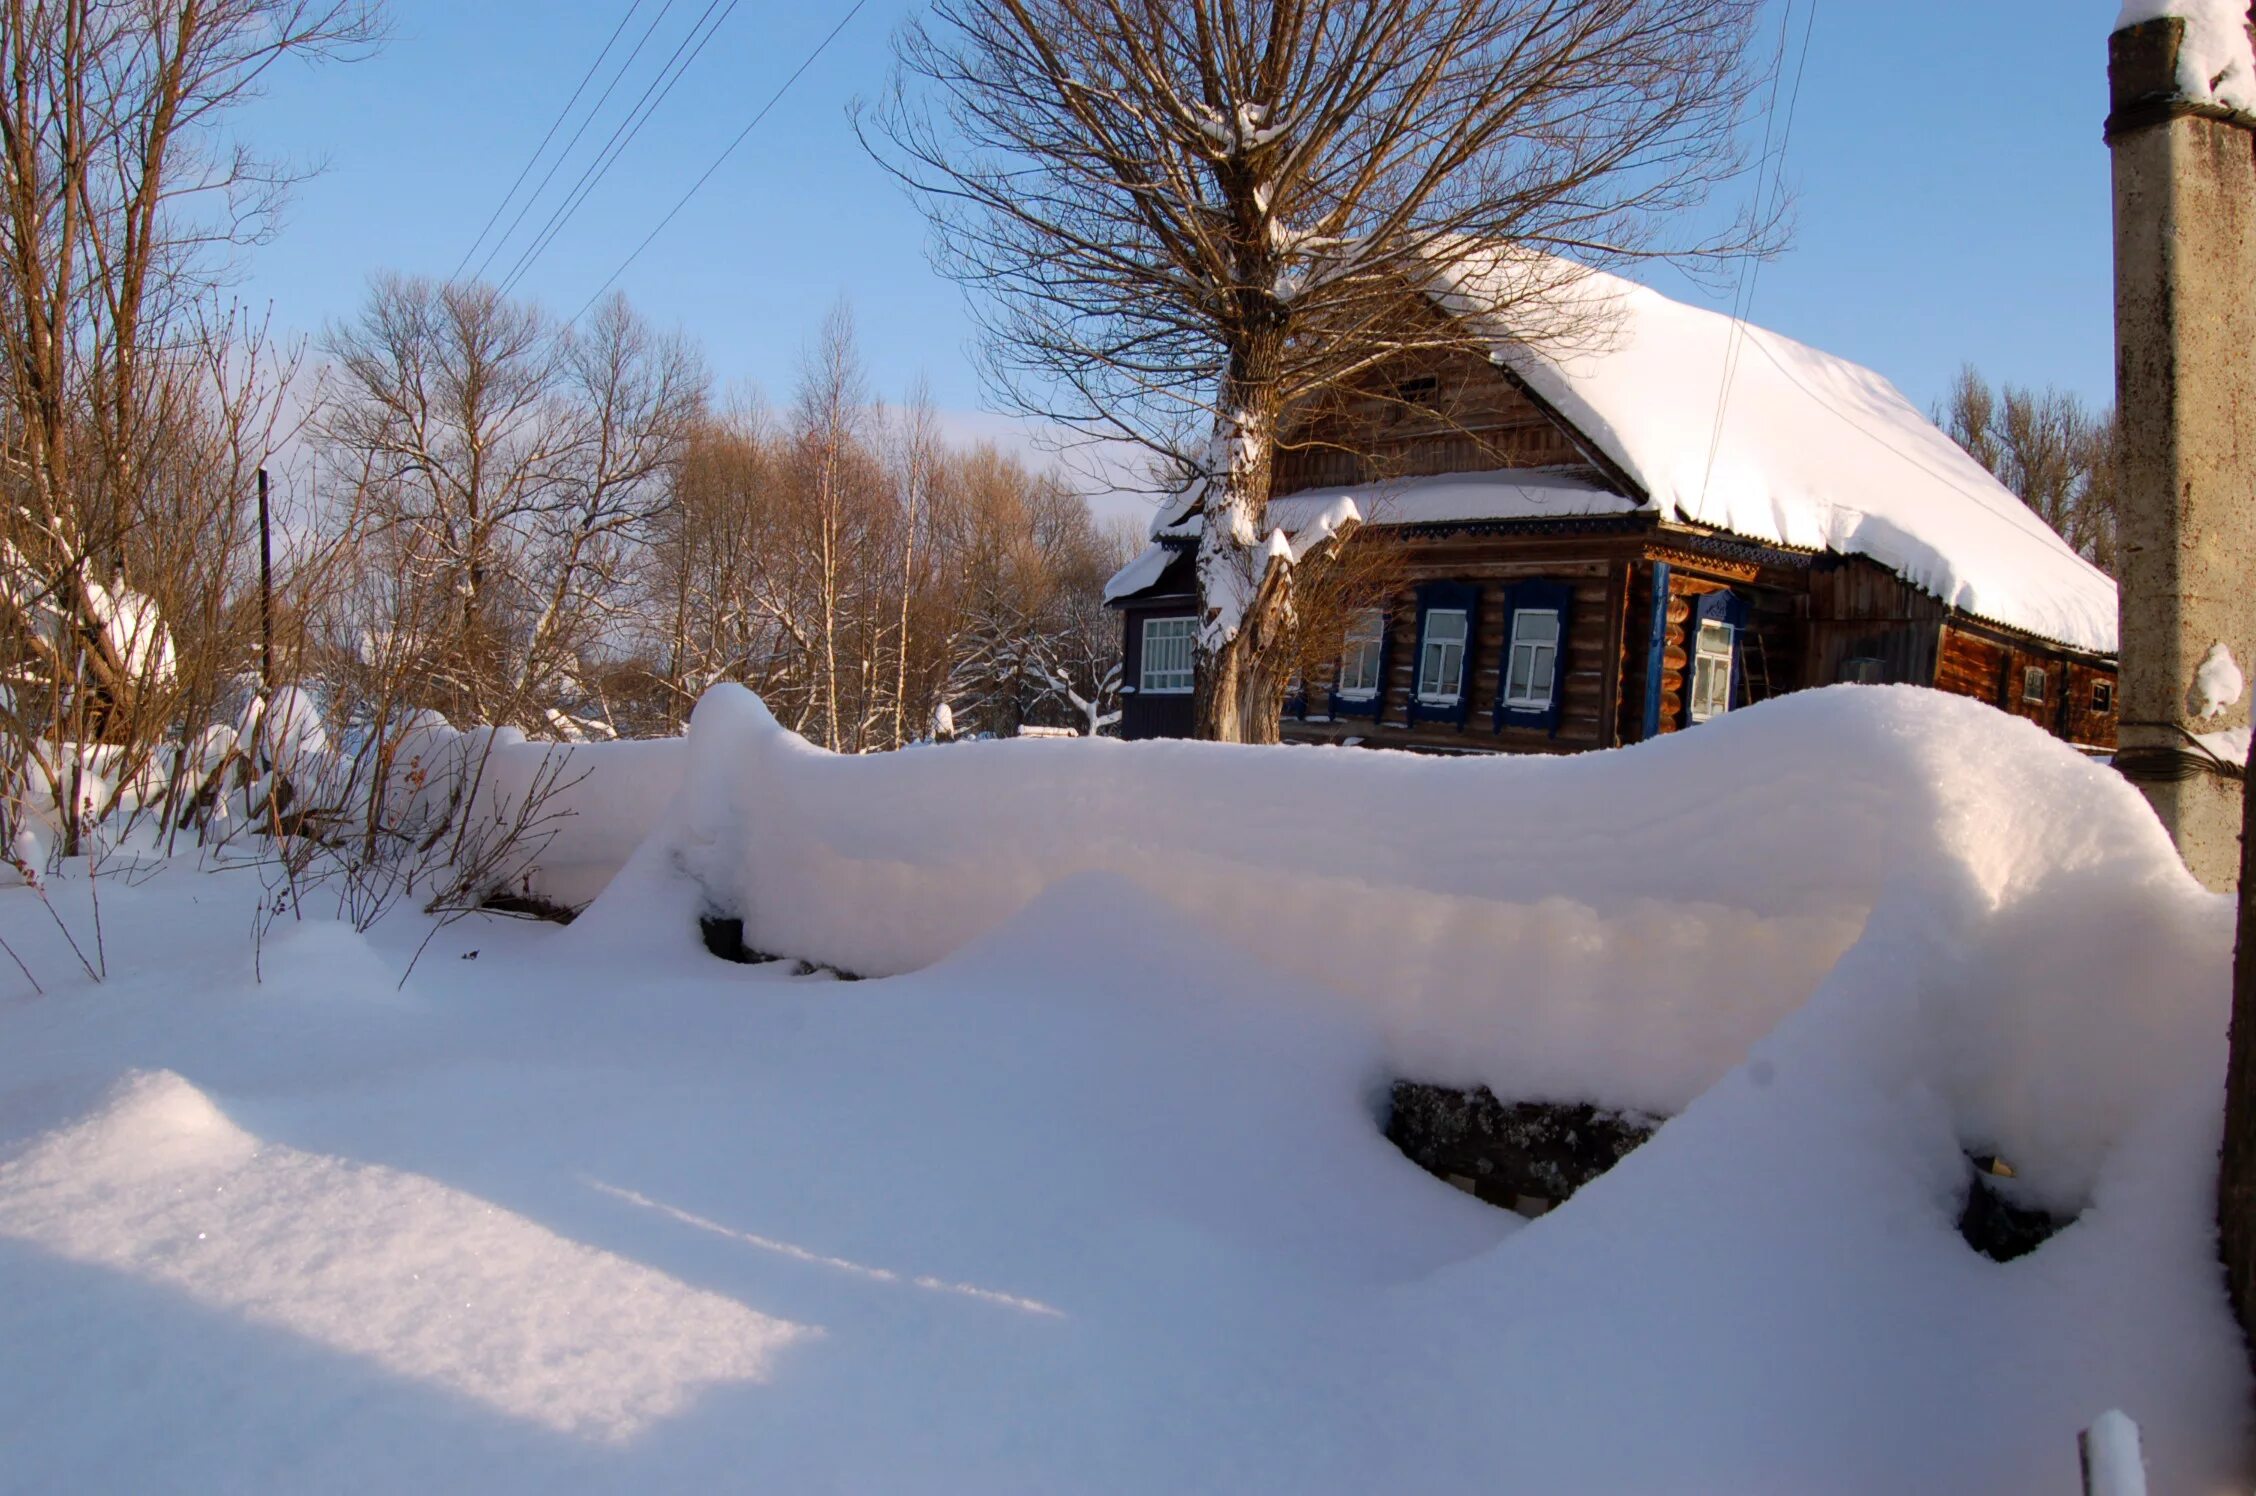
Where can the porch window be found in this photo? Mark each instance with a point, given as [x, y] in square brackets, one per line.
[1359, 659]
[1166, 668]
[1864, 670]
[1441, 657]
[2033, 685]
[1534, 659]
[1711, 671]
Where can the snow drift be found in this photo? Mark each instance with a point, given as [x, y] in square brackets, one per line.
[1618, 927]
[1095, 1195]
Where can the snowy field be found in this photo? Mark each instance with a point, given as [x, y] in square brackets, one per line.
[1084, 1188]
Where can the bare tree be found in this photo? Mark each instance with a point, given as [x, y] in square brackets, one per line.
[2053, 452]
[119, 198]
[509, 464]
[1187, 217]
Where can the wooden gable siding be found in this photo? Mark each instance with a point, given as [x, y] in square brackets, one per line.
[1860, 610]
[1390, 425]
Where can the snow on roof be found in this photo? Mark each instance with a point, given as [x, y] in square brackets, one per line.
[1461, 498]
[2216, 64]
[1813, 452]
[1139, 573]
[1466, 498]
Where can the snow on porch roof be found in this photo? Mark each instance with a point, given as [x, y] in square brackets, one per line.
[1814, 452]
[1451, 498]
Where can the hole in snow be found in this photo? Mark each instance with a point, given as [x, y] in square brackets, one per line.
[1528, 1156]
[724, 937]
[1998, 1220]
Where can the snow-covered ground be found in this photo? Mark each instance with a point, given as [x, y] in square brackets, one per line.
[1085, 1188]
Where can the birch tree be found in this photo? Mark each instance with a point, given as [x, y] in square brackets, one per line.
[1183, 218]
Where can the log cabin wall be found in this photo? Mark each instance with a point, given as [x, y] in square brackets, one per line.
[1595, 569]
[1768, 658]
[2030, 679]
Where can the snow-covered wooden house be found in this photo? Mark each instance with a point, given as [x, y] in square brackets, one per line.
[1590, 556]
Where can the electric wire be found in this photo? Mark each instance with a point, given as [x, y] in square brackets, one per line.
[566, 154]
[1743, 300]
[554, 125]
[726, 152]
[639, 115]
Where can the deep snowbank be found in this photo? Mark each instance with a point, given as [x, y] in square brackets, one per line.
[1095, 1198]
[1618, 927]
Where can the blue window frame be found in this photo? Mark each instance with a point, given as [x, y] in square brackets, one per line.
[1448, 624]
[1713, 681]
[1359, 684]
[1531, 675]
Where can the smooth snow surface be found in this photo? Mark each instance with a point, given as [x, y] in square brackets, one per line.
[429, 1283]
[1813, 451]
[1093, 1196]
[2215, 62]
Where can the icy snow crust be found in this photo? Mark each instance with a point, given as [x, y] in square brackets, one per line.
[1814, 452]
[1092, 1195]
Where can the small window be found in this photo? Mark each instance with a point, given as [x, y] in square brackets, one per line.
[1166, 669]
[1535, 658]
[1711, 671]
[2103, 696]
[1419, 391]
[1441, 658]
[1359, 658]
[1864, 670]
[2033, 685]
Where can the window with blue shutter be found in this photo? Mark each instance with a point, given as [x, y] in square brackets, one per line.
[1531, 676]
[1714, 682]
[1441, 682]
[1359, 685]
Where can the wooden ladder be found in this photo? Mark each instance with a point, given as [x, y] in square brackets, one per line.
[1756, 661]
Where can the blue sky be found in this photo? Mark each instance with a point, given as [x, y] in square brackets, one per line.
[1952, 187]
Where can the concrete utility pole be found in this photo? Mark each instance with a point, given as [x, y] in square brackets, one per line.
[2185, 383]
[2185, 373]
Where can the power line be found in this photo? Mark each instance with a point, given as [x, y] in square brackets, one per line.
[565, 154]
[669, 75]
[726, 152]
[554, 125]
[1743, 300]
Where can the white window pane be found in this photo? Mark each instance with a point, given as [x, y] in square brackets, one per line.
[1523, 672]
[1711, 671]
[1359, 656]
[1167, 668]
[1441, 670]
[1534, 658]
